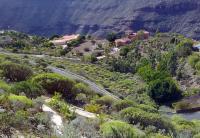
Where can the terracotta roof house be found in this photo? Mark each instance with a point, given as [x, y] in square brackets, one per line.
[132, 36]
[122, 42]
[63, 40]
[146, 34]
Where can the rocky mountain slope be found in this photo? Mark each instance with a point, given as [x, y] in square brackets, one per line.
[97, 17]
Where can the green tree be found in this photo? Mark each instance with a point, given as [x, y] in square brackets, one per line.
[164, 90]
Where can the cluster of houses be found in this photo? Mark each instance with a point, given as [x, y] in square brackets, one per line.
[130, 36]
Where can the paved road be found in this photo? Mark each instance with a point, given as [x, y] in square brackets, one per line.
[92, 85]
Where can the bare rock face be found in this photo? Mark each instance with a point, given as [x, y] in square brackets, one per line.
[98, 17]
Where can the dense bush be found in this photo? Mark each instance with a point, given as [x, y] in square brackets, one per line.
[164, 90]
[30, 89]
[138, 116]
[118, 129]
[56, 83]
[15, 72]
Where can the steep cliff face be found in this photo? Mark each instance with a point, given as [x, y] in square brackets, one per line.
[47, 17]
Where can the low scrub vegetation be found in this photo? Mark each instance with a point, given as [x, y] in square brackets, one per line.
[119, 129]
[15, 72]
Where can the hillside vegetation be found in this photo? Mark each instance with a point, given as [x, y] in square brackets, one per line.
[144, 75]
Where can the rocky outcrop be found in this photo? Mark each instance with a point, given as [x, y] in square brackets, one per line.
[97, 17]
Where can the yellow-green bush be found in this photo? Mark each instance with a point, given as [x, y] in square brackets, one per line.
[4, 86]
[94, 108]
[21, 99]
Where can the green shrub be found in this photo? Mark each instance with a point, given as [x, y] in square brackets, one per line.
[193, 59]
[168, 63]
[118, 129]
[184, 126]
[90, 58]
[81, 98]
[94, 108]
[20, 101]
[184, 48]
[148, 74]
[6, 124]
[4, 86]
[15, 72]
[21, 119]
[197, 66]
[52, 82]
[164, 90]
[122, 104]
[42, 118]
[107, 101]
[124, 51]
[31, 90]
[147, 108]
[138, 116]
[197, 136]
[81, 88]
